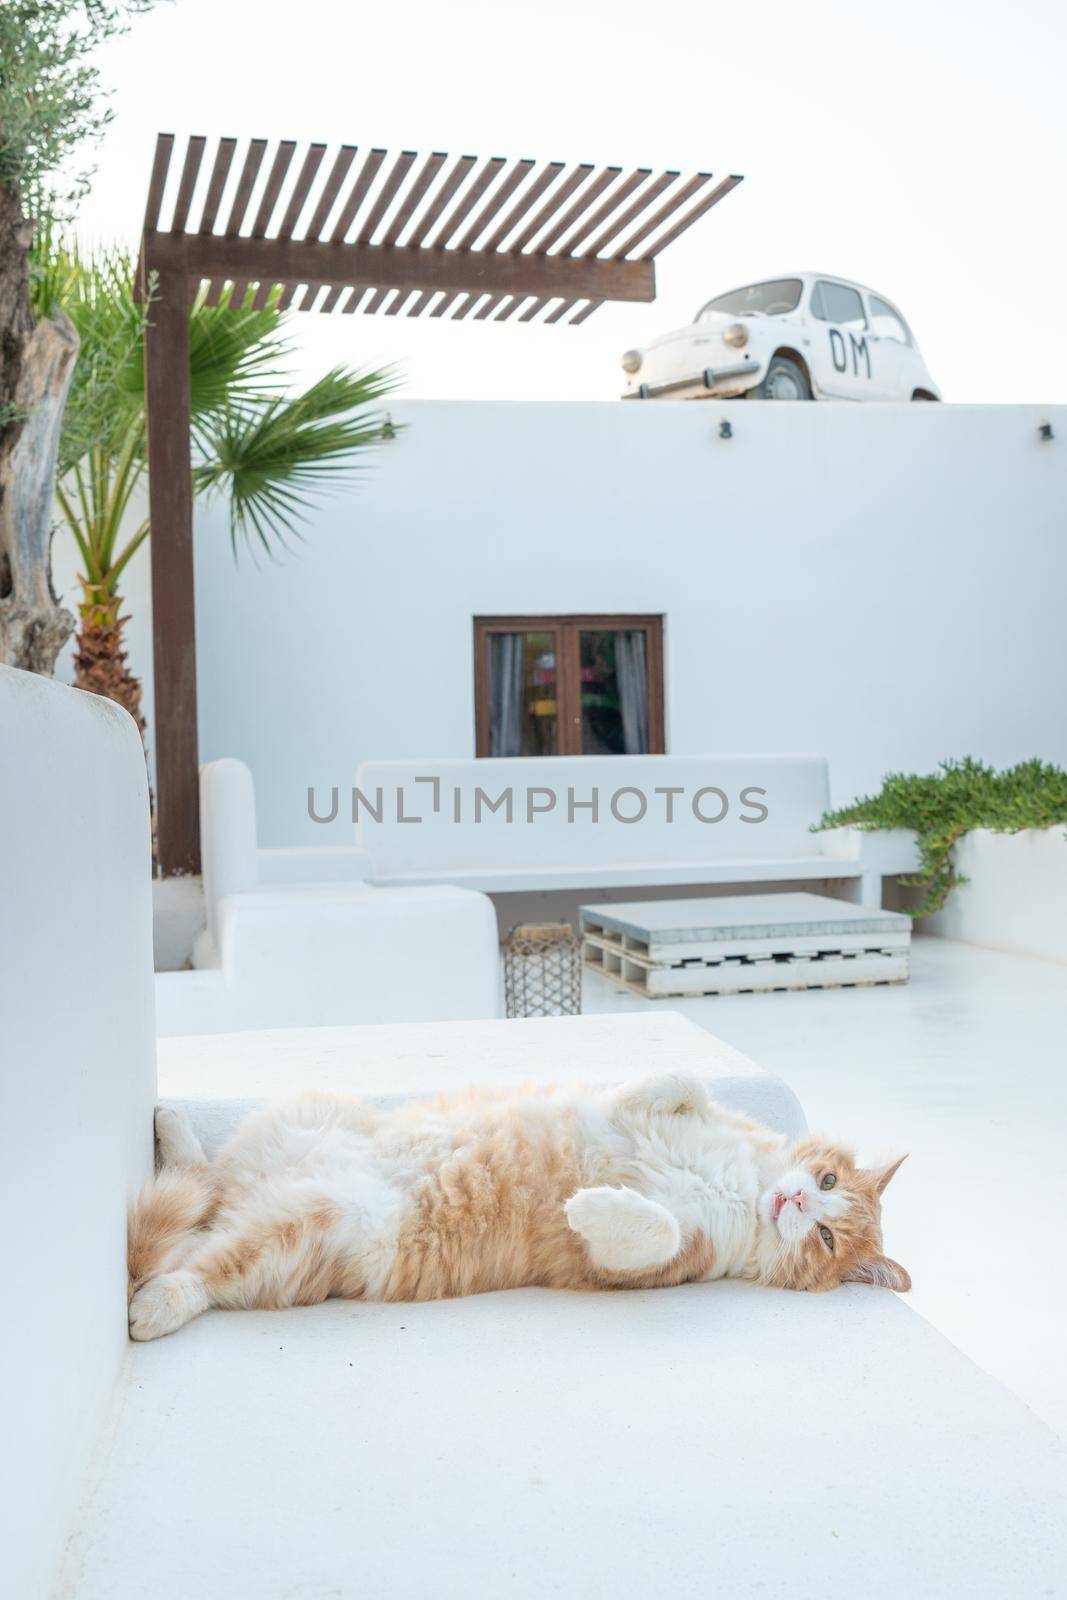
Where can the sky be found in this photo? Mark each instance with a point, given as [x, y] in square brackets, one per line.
[916, 148]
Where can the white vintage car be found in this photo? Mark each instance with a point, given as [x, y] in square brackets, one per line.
[806, 336]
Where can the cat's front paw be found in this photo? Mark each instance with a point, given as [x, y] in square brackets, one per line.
[595, 1211]
[623, 1229]
[164, 1304]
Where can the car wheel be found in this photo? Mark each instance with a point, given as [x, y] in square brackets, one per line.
[783, 380]
[923, 394]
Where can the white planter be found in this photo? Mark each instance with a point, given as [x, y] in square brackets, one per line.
[1016, 896]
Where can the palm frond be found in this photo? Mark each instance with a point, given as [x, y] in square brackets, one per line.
[268, 452]
[271, 458]
[236, 354]
[95, 291]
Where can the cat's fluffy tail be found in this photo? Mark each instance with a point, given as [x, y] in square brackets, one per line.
[168, 1208]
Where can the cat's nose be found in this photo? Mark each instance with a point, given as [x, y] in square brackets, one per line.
[798, 1199]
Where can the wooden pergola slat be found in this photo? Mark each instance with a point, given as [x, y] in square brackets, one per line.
[463, 208]
[217, 183]
[157, 181]
[462, 258]
[501, 195]
[691, 216]
[660, 215]
[301, 189]
[431, 166]
[444, 197]
[283, 159]
[522, 205]
[552, 205]
[194, 154]
[623, 220]
[245, 184]
[359, 191]
[331, 189]
[389, 188]
[612, 203]
[591, 192]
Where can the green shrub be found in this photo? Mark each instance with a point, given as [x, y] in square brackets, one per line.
[942, 805]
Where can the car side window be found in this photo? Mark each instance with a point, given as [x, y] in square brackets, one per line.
[836, 302]
[887, 323]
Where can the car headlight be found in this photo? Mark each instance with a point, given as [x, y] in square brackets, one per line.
[736, 335]
[631, 361]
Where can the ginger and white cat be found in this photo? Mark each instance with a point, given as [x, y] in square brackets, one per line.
[643, 1186]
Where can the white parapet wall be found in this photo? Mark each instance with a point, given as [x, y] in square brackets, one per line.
[832, 577]
[1015, 897]
[76, 1092]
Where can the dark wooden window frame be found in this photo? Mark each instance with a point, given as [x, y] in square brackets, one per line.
[567, 628]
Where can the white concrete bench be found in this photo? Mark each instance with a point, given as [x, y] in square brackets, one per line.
[77, 1083]
[587, 822]
[583, 1445]
[298, 937]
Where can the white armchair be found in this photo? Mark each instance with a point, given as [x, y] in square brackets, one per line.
[297, 938]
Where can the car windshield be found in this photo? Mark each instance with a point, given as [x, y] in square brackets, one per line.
[771, 299]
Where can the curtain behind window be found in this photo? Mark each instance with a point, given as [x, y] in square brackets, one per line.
[505, 693]
[631, 675]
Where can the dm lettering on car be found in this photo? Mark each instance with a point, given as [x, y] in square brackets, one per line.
[803, 336]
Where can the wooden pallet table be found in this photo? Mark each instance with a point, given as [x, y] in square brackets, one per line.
[741, 944]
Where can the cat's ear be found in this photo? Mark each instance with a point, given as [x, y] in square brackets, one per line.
[880, 1272]
[882, 1175]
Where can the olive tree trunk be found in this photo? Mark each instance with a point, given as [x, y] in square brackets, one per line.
[36, 366]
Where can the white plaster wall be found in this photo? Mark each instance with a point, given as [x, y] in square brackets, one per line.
[878, 583]
[76, 1090]
[1015, 897]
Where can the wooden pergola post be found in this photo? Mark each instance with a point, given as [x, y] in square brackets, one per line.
[485, 241]
[170, 506]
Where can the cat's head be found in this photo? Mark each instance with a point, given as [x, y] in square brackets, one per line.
[821, 1222]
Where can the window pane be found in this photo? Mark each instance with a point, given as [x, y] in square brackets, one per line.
[835, 302]
[614, 689]
[771, 299]
[886, 323]
[522, 693]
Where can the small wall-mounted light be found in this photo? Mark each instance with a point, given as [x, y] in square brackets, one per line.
[725, 430]
[1045, 432]
[388, 427]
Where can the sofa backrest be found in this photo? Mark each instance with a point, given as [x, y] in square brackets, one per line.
[227, 834]
[724, 808]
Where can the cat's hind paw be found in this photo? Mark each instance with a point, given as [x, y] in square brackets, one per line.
[177, 1144]
[669, 1094]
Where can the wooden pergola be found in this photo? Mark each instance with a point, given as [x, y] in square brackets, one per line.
[490, 239]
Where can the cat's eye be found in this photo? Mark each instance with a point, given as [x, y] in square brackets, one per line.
[827, 1237]
[827, 1180]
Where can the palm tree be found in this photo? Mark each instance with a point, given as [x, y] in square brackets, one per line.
[265, 451]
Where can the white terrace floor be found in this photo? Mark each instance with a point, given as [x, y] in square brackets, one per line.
[966, 1068]
[614, 1447]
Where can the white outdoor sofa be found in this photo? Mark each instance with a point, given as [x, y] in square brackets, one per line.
[529, 823]
[398, 924]
[296, 937]
[717, 1438]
